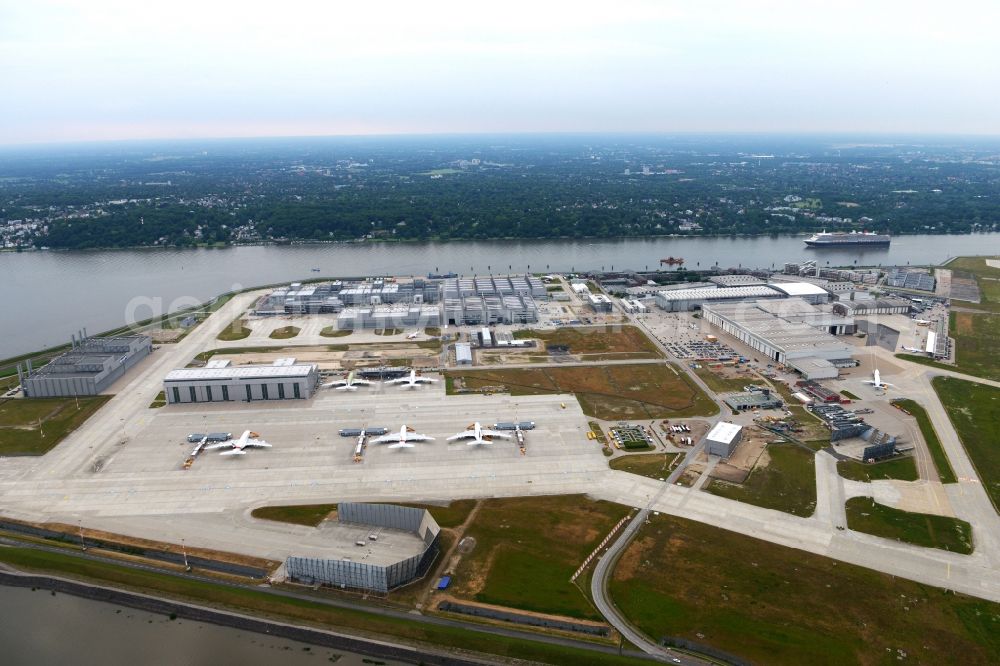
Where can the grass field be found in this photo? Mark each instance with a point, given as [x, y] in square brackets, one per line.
[787, 483]
[974, 410]
[527, 549]
[33, 426]
[611, 392]
[305, 612]
[850, 396]
[721, 384]
[284, 333]
[604, 342]
[236, 331]
[388, 331]
[652, 465]
[159, 401]
[902, 468]
[945, 473]
[775, 605]
[921, 529]
[334, 332]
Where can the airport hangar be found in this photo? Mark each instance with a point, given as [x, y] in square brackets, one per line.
[90, 367]
[220, 382]
[683, 300]
[376, 548]
[790, 332]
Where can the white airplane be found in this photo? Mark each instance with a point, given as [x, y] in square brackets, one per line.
[877, 381]
[413, 381]
[479, 434]
[922, 322]
[403, 439]
[913, 350]
[349, 384]
[413, 335]
[237, 447]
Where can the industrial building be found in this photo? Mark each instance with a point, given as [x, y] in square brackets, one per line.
[463, 353]
[683, 300]
[723, 439]
[911, 278]
[871, 306]
[762, 399]
[221, 382]
[90, 367]
[334, 296]
[736, 280]
[375, 548]
[633, 306]
[399, 315]
[599, 302]
[780, 333]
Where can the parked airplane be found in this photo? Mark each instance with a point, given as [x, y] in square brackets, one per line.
[876, 381]
[349, 384]
[237, 446]
[413, 335]
[412, 381]
[402, 439]
[913, 350]
[923, 322]
[478, 434]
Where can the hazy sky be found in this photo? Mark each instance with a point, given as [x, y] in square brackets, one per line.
[110, 69]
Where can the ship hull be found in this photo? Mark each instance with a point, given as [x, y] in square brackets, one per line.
[847, 243]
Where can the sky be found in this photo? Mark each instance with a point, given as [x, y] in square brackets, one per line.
[125, 69]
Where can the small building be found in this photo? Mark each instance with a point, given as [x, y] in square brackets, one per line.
[485, 338]
[89, 368]
[463, 353]
[811, 367]
[284, 380]
[871, 306]
[599, 302]
[723, 439]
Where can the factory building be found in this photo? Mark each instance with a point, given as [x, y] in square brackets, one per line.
[736, 280]
[599, 302]
[633, 306]
[781, 340]
[872, 306]
[762, 399]
[90, 367]
[723, 439]
[807, 291]
[814, 368]
[375, 548]
[334, 296]
[463, 353]
[683, 300]
[399, 315]
[220, 382]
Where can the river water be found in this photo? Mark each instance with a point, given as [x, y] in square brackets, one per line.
[39, 629]
[46, 296]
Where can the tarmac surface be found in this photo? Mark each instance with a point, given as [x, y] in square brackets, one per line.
[121, 471]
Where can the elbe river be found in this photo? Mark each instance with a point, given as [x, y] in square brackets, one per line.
[46, 296]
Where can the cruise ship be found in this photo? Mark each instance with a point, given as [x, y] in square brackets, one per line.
[839, 238]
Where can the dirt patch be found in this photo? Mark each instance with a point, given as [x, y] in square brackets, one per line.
[963, 323]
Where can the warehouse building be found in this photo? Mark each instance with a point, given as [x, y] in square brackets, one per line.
[221, 382]
[762, 399]
[807, 291]
[871, 306]
[90, 367]
[779, 339]
[723, 439]
[374, 548]
[463, 353]
[599, 302]
[736, 280]
[683, 300]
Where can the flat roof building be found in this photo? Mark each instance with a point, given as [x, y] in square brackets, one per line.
[283, 380]
[777, 338]
[463, 353]
[89, 368]
[753, 400]
[374, 548]
[683, 300]
[871, 306]
[723, 439]
[599, 302]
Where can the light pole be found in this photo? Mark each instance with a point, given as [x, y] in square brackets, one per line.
[83, 544]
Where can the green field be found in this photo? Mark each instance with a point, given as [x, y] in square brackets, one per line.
[159, 401]
[974, 410]
[613, 393]
[598, 342]
[850, 396]
[652, 465]
[921, 529]
[945, 473]
[775, 605]
[236, 331]
[902, 468]
[721, 384]
[788, 483]
[977, 338]
[452, 515]
[302, 611]
[527, 548]
[33, 426]
[284, 333]
[334, 332]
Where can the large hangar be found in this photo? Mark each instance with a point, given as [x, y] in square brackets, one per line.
[89, 368]
[221, 382]
[374, 547]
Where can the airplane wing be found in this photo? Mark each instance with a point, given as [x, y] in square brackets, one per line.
[345, 387]
[257, 443]
[391, 437]
[477, 442]
[424, 379]
[462, 435]
[399, 380]
[494, 433]
[412, 437]
[340, 382]
[233, 452]
[362, 382]
[400, 445]
[217, 445]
